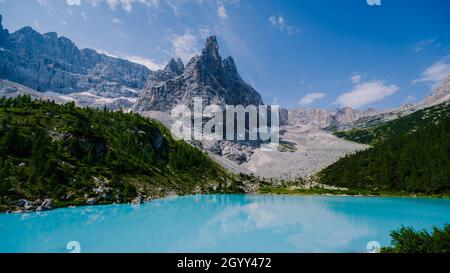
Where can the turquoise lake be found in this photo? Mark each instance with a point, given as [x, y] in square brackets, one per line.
[223, 223]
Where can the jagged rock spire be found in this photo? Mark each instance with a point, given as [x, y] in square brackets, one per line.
[180, 64]
[176, 67]
[207, 75]
[211, 48]
[3, 32]
[210, 54]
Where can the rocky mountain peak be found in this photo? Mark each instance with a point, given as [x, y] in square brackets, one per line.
[440, 94]
[345, 110]
[211, 49]
[208, 76]
[3, 32]
[52, 35]
[46, 62]
[180, 64]
[229, 65]
[176, 67]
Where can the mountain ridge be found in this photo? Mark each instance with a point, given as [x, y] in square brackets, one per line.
[46, 62]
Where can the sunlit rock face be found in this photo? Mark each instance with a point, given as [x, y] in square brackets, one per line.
[440, 94]
[46, 62]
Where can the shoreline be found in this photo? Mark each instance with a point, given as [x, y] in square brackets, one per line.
[348, 193]
[298, 193]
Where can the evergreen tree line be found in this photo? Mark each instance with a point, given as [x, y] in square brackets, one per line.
[48, 150]
[414, 161]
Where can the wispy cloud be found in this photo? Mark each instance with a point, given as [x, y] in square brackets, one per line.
[84, 16]
[436, 73]
[116, 21]
[279, 22]
[73, 2]
[222, 12]
[365, 93]
[149, 63]
[424, 44]
[410, 99]
[311, 98]
[205, 32]
[185, 46]
[126, 5]
[356, 78]
[176, 6]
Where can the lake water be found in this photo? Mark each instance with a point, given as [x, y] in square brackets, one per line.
[223, 223]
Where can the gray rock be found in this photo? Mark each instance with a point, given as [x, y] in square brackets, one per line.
[171, 194]
[234, 151]
[47, 204]
[324, 118]
[21, 203]
[208, 76]
[138, 200]
[91, 201]
[29, 207]
[439, 95]
[3, 32]
[46, 62]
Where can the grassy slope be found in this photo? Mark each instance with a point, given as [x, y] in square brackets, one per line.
[378, 133]
[51, 151]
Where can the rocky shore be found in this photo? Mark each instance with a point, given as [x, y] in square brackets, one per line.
[27, 206]
[23, 205]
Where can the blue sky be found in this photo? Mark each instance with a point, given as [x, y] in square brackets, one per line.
[321, 53]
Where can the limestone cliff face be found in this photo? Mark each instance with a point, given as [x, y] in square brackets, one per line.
[46, 62]
[440, 94]
[324, 118]
[208, 76]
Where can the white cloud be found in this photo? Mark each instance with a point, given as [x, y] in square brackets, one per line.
[365, 93]
[149, 63]
[222, 12]
[127, 5]
[95, 3]
[279, 22]
[410, 99]
[436, 73]
[112, 3]
[176, 6]
[149, 3]
[356, 78]
[116, 21]
[73, 2]
[311, 97]
[85, 17]
[205, 32]
[422, 45]
[185, 46]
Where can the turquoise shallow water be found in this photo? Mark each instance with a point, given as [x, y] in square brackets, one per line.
[223, 223]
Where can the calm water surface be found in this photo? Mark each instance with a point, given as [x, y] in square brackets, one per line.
[223, 223]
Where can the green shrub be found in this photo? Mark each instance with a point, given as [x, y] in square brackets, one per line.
[407, 240]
